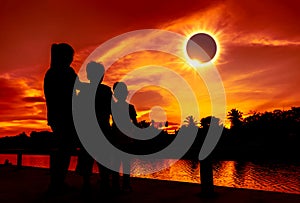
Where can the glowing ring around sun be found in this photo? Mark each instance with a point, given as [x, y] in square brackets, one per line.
[207, 41]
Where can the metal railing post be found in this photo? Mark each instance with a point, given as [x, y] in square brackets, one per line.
[206, 176]
[19, 159]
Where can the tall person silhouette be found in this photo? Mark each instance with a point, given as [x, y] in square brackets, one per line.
[103, 113]
[58, 89]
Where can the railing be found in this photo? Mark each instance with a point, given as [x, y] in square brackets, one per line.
[21, 152]
[206, 170]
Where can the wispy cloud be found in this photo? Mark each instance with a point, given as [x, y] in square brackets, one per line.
[22, 104]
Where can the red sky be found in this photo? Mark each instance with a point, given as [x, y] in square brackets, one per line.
[258, 61]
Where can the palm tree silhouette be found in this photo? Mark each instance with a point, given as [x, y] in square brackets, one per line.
[236, 117]
[190, 121]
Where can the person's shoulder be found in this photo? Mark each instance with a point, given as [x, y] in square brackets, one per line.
[50, 73]
[104, 88]
[132, 111]
[131, 108]
[71, 71]
[65, 71]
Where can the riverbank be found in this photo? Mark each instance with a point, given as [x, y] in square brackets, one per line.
[29, 185]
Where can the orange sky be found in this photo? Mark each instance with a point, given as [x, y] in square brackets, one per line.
[258, 61]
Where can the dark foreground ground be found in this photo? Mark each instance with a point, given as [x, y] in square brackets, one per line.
[29, 185]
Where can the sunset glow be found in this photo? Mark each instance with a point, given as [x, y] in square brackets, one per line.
[258, 54]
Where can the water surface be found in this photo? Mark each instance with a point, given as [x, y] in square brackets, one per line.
[269, 176]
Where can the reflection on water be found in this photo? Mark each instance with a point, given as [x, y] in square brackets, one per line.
[270, 176]
[183, 171]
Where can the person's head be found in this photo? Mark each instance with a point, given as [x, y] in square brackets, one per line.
[95, 72]
[61, 55]
[120, 91]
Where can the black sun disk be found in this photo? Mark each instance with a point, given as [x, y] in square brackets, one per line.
[206, 42]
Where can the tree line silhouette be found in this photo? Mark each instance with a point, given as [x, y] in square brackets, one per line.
[272, 135]
[268, 135]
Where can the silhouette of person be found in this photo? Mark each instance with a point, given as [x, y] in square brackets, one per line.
[7, 163]
[58, 90]
[123, 142]
[95, 73]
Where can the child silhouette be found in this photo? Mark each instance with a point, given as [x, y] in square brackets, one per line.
[123, 142]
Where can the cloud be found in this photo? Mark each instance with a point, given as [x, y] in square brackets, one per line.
[29, 29]
[258, 43]
[267, 23]
[34, 99]
[260, 74]
[21, 104]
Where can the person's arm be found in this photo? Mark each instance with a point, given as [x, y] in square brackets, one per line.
[81, 85]
[133, 114]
